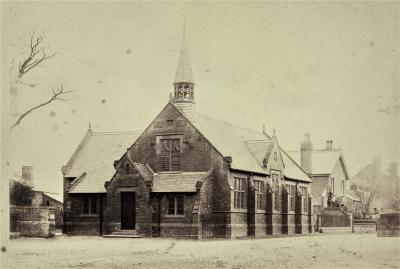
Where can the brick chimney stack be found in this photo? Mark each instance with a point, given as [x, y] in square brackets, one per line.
[306, 149]
[329, 144]
[27, 172]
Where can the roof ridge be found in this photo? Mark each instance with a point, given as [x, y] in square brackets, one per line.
[256, 140]
[66, 168]
[294, 162]
[252, 154]
[116, 132]
[320, 150]
[229, 123]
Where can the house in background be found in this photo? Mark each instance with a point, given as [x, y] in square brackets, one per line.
[27, 203]
[185, 175]
[39, 197]
[328, 171]
[372, 179]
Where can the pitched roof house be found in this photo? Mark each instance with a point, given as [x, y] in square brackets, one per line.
[185, 175]
[328, 170]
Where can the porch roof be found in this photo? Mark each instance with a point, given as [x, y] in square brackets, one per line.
[177, 182]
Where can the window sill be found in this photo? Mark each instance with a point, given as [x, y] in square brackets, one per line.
[88, 215]
[174, 216]
[239, 210]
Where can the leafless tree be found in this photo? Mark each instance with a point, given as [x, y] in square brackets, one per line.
[56, 96]
[37, 55]
[367, 192]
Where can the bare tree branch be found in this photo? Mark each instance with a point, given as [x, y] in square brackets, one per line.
[56, 96]
[34, 58]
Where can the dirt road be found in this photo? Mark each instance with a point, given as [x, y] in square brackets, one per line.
[317, 251]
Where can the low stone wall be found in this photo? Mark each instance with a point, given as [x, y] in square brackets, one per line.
[389, 224]
[364, 226]
[31, 221]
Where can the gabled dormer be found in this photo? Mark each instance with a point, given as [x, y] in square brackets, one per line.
[273, 160]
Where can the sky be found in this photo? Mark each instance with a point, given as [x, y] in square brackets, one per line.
[330, 69]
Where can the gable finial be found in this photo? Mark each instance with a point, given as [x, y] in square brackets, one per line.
[90, 126]
[263, 128]
[274, 132]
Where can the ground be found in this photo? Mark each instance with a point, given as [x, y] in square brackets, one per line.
[315, 251]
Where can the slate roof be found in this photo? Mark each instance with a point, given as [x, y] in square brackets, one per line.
[246, 147]
[292, 169]
[177, 182]
[184, 69]
[229, 140]
[92, 162]
[323, 161]
[258, 149]
[144, 170]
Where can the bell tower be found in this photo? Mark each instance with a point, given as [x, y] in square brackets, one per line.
[183, 97]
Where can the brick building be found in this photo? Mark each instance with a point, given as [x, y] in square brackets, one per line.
[185, 175]
[328, 171]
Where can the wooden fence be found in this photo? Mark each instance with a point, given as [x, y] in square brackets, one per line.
[333, 218]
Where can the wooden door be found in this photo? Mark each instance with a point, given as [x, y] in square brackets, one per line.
[128, 210]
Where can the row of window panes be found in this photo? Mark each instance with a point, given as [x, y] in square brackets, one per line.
[303, 191]
[89, 205]
[175, 205]
[259, 192]
[292, 194]
[239, 192]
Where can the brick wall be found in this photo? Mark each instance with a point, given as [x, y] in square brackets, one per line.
[195, 152]
[78, 223]
[178, 226]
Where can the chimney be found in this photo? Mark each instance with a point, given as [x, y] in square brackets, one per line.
[27, 172]
[393, 169]
[329, 144]
[377, 166]
[306, 149]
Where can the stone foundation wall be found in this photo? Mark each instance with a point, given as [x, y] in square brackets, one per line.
[32, 221]
[364, 226]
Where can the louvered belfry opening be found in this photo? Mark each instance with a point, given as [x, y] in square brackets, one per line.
[170, 154]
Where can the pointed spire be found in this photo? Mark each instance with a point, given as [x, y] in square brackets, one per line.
[184, 69]
[184, 26]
